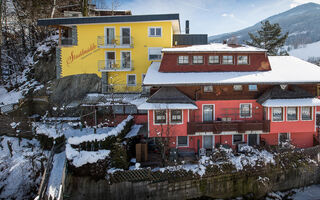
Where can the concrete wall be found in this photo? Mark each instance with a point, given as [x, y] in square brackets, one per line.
[222, 186]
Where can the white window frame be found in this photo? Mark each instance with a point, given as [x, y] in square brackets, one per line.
[105, 34]
[213, 140]
[183, 59]
[208, 91]
[283, 114]
[214, 111]
[155, 31]
[234, 143]
[121, 60]
[243, 63]
[154, 117]
[193, 60]
[176, 123]
[234, 88]
[227, 63]
[289, 137]
[150, 48]
[121, 43]
[250, 110]
[177, 141]
[297, 109]
[310, 113]
[252, 89]
[135, 77]
[213, 63]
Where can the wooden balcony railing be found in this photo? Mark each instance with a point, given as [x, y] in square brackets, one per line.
[220, 126]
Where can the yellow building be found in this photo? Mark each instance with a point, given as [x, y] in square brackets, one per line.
[119, 49]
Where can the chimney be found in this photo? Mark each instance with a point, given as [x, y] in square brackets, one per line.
[187, 27]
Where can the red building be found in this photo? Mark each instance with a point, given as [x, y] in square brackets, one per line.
[205, 95]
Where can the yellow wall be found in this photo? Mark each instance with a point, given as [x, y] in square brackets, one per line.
[87, 62]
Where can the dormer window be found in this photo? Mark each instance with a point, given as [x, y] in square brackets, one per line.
[183, 60]
[197, 59]
[227, 60]
[214, 60]
[243, 60]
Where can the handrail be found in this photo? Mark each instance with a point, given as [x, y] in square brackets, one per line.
[114, 42]
[115, 65]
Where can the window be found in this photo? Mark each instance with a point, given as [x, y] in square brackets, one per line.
[227, 59]
[277, 114]
[237, 87]
[283, 137]
[245, 110]
[237, 138]
[182, 141]
[214, 60]
[318, 119]
[183, 59]
[176, 116]
[125, 35]
[292, 113]
[243, 60]
[131, 80]
[125, 59]
[208, 88]
[154, 53]
[155, 31]
[208, 113]
[110, 36]
[160, 117]
[253, 88]
[306, 113]
[197, 59]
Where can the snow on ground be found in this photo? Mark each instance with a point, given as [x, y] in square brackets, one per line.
[98, 137]
[9, 97]
[55, 179]
[83, 157]
[307, 193]
[20, 173]
[307, 51]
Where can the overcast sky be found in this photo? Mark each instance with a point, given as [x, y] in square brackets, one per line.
[213, 16]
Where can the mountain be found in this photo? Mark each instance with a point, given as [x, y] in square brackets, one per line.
[302, 23]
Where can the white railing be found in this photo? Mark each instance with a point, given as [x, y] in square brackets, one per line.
[115, 42]
[115, 65]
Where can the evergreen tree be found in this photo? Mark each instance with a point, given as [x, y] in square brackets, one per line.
[269, 37]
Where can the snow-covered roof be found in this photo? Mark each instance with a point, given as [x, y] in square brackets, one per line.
[284, 69]
[291, 102]
[214, 47]
[164, 106]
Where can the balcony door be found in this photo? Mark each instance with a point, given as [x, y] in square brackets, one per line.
[126, 59]
[208, 113]
[110, 59]
[109, 35]
[125, 35]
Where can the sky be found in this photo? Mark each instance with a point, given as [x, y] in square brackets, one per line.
[213, 17]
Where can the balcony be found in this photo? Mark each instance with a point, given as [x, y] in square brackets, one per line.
[115, 65]
[123, 88]
[66, 41]
[115, 42]
[218, 127]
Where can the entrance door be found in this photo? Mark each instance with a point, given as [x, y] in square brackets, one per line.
[110, 59]
[208, 113]
[208, 141]
[109, 36]
[252, 139]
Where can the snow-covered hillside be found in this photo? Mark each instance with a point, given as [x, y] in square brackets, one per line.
[307, 51]
[21, 166]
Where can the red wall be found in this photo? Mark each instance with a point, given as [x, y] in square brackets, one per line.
[257, 62]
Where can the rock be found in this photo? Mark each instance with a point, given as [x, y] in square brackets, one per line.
[45, 69]
[75, 87]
